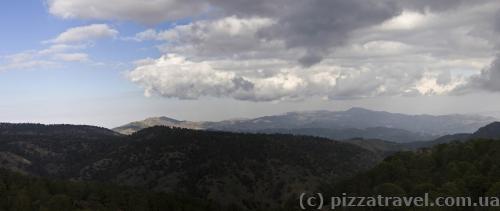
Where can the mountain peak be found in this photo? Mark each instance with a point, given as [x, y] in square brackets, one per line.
[163, 119]
[156, 121]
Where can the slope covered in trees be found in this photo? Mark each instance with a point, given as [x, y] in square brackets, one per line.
[245, 170]
[19, 192]
[455, 169]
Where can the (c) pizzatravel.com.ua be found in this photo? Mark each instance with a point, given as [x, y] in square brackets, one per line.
[320, 202]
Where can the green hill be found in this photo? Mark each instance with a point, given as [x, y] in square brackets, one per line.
[250, 171]
[454, 169]
[20, 192]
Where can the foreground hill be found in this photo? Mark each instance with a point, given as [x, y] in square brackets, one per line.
[245, 170]
[55, 151]
[455, 169]
[352, 123]
[248, 170]
[20, 192]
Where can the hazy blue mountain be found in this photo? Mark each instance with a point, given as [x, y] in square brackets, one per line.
[361, 119]
[384, 148]
[490, 131]
[352, 123]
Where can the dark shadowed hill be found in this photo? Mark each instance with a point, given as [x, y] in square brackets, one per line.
[469, 169]
[491, 131]
[381, 133]
[380, 147]
[56, 151]
[247, 170]
[21, 192]
[82, 131]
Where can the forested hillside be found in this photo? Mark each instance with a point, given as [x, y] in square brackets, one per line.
[20, 192]
[250, 171]
[233, 170]
[455, 169]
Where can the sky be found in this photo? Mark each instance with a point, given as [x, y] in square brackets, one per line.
[110, 62]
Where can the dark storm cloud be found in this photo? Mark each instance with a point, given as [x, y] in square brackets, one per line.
[319, 26]
[433, 5]
[253, 7]
[316, 26]
[489, 79]
[497, 22]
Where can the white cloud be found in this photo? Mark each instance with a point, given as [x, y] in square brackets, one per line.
[432, 84]
[85, 33]
[25, 60]
[59, 48]
[174, 76]
[407, 20]
[134, 10]
[72, 57]
[51, 56]
[178, 77]
[225, 37]
[149, 34]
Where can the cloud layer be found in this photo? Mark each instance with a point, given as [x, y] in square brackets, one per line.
[149, 12]
[65, 47]
[291, 49]
[85, 33]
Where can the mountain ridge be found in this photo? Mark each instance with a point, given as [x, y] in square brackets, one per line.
[415, 126]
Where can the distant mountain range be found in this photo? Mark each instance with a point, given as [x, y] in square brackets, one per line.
[340, 125]
[490, 131]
